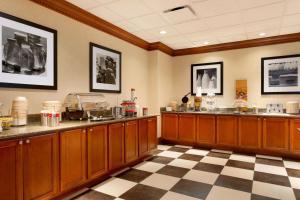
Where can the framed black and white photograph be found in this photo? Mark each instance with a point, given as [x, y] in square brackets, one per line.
[105, 69]
[280, 75]
[28, 54]
[208, 76]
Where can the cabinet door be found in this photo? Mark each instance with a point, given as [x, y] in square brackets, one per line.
[206, 129]
[187, 128]
[72, 158]
[97, 151]
[116, 145]
[295, 136]
[227, 130]
[250, 132]
[40, 161]
[170, 126]
[152, 133]
[143, 137]
[276, 133]
[131, 141]
[11, 176]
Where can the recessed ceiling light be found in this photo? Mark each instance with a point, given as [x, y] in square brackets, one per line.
[262, 34]
[206, 42]
[163, 32]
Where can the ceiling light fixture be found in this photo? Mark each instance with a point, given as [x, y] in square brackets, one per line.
[163, 32]
[262, 34]
[206, 42]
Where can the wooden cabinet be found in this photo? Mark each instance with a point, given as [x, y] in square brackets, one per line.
[11, 176]
[250, 132]
[116, 145]
[72, 158]
[295, 135]
[152, 133]
[131, 141]
[227, 130]
[275, 133]
[187, 128]
[97, 151]
[206, 129]
[40, 166]
[143, 137]
[170, 126]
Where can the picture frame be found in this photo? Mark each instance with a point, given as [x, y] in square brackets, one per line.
[280, 74]
[213, 78]
[105, 69]
[29, 54]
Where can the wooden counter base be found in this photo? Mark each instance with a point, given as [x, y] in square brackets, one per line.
[276, 136]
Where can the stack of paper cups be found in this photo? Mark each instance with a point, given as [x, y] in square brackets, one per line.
[19, 110]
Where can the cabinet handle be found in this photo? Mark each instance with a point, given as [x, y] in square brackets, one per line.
[27, 141]
[83, 131]
[20, 142]
[123, 125]
[258, 119]
[298, 129]
[91, 129]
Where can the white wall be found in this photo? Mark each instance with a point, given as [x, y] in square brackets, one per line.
[238, 64]
[73, 58]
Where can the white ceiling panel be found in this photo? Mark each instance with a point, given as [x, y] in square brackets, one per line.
[292, 7]
[291, 20]
[146, 36]
[105, 14]
[161, 5]
[85, 4]
[290, 29]
[232, 38]
[182, 15]
[170, 31]
[264, 25]
[232, 30]
[223, 20]
[201, 36]
[148, 21]
[128, 26]
[174, 39]
[129, 8]
[214, 21]
[263, 13]
[191, 26]
[246, 4]
[214, 7]
[269, 33]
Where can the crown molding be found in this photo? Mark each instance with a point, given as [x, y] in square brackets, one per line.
[74, 12]
[87, 18]
[162, 47]
[295, 37]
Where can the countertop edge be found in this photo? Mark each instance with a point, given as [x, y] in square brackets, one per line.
[293, 116]
[29, 130]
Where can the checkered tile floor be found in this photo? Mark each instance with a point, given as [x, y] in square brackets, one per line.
[183, 173]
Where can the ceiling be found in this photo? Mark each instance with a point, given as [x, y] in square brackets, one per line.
[214, 21]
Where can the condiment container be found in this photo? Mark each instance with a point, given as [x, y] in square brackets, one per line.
[44, 117]
[292, 107]
[19, 111]
[53, 119]
[145, 111]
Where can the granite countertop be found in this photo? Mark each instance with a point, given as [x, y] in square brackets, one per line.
[235, 114]
[34, 129]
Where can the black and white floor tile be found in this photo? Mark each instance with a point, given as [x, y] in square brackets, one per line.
[184, 173]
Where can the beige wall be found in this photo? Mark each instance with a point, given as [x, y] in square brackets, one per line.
[157, 77]
[73, 58]
[161, 81]
[238, 64]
